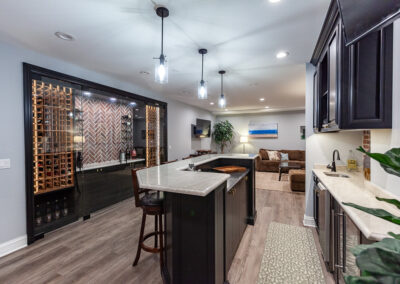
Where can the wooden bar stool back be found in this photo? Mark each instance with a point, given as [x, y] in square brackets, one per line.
[151, 204]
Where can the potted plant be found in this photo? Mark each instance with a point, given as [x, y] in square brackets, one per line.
[380, 261]
[223, 134]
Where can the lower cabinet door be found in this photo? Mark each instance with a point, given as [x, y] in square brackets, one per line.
[229, 223]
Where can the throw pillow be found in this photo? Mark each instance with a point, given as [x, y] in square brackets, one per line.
[274, 155]
[284, 157]
[263, 154]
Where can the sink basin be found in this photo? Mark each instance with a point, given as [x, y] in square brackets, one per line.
[336, 175]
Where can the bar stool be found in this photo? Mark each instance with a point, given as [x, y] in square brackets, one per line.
[151, 204]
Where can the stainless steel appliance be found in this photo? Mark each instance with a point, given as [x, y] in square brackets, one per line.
[324, 222]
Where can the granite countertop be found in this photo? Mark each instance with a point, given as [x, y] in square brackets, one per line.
[359, 191]
[173, 177]
[108, 164]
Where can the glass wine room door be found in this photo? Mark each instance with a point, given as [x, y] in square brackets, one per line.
[53, 168]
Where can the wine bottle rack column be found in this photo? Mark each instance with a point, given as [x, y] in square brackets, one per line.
[52, 108]
[152, 136]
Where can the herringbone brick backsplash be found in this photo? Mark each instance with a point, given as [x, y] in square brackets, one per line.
[102, 129]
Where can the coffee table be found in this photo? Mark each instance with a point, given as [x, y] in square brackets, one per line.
[286, 166]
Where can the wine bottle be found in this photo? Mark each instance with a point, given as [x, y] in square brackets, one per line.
[38, 215]
[64, 210]
[48, 212]
[57, 211]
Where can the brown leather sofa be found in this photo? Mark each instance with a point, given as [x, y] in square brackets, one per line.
[264, 164]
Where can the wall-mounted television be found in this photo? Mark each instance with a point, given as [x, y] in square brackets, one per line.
[361, 17]
[202, 128]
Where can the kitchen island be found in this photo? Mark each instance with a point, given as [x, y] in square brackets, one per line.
[206, 214]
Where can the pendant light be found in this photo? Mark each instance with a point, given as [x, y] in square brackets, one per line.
[202, 88]
[161, 65]
[222, 101]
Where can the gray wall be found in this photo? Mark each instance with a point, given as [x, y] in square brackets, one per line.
[12, 185]
[288, 131]
[180, 124]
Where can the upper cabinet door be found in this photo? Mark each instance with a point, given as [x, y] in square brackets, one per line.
[333, 76]
[367, 88]
[316, 124]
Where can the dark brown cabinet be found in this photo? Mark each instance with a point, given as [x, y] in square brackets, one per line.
[103, 187]
[236, 219]
[367, 82]
[352, 85]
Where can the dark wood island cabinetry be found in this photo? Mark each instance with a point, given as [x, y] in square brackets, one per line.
[206, 214]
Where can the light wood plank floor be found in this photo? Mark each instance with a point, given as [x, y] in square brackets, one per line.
[101, 249]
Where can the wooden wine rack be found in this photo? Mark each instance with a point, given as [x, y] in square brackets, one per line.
[53, 163]
[152, 136]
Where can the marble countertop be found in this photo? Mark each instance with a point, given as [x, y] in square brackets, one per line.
[359, 191]
[108, 164]
[173, 177]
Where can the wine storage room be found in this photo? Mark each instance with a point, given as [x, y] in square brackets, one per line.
[81, 141]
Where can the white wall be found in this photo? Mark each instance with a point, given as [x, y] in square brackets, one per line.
[383, 140]
[288, 131]
[180, 119]
[12, 181]
[319, 147]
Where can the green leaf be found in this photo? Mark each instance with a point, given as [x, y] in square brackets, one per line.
[396, 236]
[395, 202]
[390, 161]
[376, 212]
[388, 244]
[360, 280]
[379, 261]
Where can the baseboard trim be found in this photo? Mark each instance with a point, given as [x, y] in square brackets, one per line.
[13, 245]
[309, 221]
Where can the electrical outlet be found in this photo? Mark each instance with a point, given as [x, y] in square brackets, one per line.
[5, 164]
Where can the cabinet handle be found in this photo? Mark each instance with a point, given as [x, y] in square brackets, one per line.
[344, 243]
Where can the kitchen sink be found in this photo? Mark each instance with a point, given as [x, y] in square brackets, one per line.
[336, 175]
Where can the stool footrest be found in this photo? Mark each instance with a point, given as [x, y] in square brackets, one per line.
[147, 248]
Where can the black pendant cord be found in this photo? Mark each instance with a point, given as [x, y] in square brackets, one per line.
[162, 36]
[202, 67]
[222, 84]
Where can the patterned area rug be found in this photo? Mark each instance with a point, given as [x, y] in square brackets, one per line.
[270, 181]
[290, 256]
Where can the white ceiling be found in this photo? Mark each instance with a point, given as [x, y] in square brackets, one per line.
[121, 37]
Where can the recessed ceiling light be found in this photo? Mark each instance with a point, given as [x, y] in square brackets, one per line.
[226, 109]
[64, 36]
[212, 103]
[132, 103]
[87, 93]
[137, 109]
[282, 54]
[262, 99]
[144, 73]
[267, 107]
[274, 1]
[113, 99]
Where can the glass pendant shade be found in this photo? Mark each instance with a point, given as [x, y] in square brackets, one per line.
[202, 90]
[161, 71]
[222, 101]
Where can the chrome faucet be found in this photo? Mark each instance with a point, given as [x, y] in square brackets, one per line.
[333, 165]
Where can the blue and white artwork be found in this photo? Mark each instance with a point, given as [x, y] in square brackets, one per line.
[263, 130]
